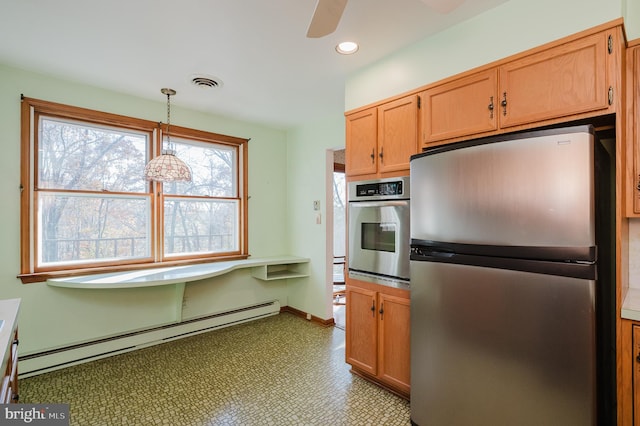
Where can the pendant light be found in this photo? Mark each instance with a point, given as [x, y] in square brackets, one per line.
[167, 167]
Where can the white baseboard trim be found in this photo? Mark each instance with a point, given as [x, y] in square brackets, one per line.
[42, 362]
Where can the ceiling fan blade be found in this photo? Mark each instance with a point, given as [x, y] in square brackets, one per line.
[325, 18]
[443, 6]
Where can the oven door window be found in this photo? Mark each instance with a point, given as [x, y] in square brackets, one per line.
[378, 237]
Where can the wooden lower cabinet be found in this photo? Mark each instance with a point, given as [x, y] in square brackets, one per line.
[636, 374]
[378, 334]
[394, 342]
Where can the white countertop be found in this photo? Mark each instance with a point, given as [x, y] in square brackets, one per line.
[631, 304]
[9, 313]
[168, 275]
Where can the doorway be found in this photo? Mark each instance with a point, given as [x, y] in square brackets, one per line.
[339, 238]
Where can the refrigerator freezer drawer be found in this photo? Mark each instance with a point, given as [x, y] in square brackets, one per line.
[501, 347]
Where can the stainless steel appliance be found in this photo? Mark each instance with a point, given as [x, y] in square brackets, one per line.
[512, 281]
[379, 231]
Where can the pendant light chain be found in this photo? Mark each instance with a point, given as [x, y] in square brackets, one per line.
[168, 121]
[168, 92]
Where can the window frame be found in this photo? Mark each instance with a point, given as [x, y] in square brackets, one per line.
[32, 109]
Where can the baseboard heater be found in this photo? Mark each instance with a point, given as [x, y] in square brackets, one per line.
[54, 359]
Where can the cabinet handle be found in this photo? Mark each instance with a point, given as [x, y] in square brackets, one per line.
[490, 107]
[638, 358]
[373, 156]
[373, 308]
[381, 311]
[610, 44]
[638, 185]
[381, 154]
[610, 95]
[504, 103]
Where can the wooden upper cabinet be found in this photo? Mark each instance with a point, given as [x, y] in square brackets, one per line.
[362, 142]
[558, 82]
[633, 131]
[460, 107]
[380, 140]
[563, 81]
[397, 134]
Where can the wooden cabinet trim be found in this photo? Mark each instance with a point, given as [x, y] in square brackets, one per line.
[392, 291]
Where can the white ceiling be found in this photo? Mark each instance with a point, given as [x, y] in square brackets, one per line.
[270, 72]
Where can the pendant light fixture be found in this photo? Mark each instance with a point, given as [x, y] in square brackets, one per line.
[167, 167]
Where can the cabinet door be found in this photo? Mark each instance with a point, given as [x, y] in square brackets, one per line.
[636, 375]
[361, 329]
[397, 134]
[361, 143]
[633, 62]
[394, 353]
[460, 108]
[558, 82]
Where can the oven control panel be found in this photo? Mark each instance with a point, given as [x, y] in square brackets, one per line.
[392, 188]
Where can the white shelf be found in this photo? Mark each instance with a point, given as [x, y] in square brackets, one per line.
[268, 268]
[281, 271]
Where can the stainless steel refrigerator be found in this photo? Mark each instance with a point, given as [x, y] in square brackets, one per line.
[512, 281]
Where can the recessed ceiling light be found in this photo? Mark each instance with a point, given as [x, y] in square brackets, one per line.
[347, 48]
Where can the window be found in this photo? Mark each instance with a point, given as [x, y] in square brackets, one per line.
[86, 207]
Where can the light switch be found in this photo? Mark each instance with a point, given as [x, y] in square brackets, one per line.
[318, 218]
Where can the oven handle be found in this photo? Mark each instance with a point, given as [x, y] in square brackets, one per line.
[382, 203]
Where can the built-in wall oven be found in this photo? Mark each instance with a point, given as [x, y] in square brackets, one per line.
[378, 230]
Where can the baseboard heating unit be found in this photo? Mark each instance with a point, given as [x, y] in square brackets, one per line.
[54, 359]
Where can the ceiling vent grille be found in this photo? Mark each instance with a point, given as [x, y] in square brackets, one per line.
[206, 82]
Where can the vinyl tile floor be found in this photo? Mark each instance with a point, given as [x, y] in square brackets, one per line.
[280, 370]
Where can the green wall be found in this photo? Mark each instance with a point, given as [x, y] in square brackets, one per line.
[310, 175]
[51, 316]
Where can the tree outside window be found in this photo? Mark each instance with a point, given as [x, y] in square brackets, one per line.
[86, 206]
